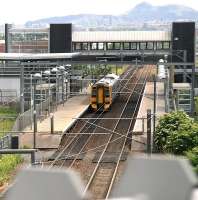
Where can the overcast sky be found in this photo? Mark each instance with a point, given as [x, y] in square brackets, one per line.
[20, 11]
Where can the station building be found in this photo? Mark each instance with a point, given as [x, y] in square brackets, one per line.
[95, 47]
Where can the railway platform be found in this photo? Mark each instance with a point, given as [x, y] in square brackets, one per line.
[140, 127]
[64, 117]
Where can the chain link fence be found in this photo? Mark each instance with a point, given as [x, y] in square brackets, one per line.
[26, 119]
[8, 96]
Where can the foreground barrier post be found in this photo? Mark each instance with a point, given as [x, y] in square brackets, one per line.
[35, 129]
[149, 131]
[52, 123]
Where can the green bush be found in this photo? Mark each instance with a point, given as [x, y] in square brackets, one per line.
[175, 133]
[7, 164]
[179, 142]
[196, 105]
[192, 155]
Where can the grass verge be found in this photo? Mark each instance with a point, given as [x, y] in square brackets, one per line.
[8, 164]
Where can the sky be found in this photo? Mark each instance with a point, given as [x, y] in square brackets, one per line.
[20, 11]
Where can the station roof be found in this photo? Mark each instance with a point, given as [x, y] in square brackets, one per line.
[36, 56]
[108, 36]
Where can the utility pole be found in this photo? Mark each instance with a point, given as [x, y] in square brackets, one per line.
[154, 105]
[22, 89]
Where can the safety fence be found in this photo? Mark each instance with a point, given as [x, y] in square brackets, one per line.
[26, 119]
[8, 96]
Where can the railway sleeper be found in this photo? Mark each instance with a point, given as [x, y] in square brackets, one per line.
[110, 157]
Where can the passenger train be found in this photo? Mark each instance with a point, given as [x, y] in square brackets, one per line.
[104, 92]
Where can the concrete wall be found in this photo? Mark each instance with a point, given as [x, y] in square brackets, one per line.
[10, 84]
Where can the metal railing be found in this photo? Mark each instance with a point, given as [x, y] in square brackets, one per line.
[26, 119]
[6, 123]
[8, 96]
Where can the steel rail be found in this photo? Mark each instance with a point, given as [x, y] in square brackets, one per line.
[60, 154]
[101, 156]
[134, 70]
[79, 136]
[70, 143]
[97, 126]
[123, 147]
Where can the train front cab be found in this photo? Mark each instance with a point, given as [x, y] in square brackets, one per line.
[100, 97]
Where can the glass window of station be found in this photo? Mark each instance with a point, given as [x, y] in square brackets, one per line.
[77, 46]
[166, 45]
[134, 45]
[94, 46]
[159, 45]
[142, 45]
[110, 46]
[150, 46]
[117, 45]
[126, 46]
[100, 46]
[28, 40]
[84, 46]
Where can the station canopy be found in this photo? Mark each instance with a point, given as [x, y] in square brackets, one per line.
[36, 56]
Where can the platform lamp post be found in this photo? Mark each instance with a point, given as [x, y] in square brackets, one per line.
[66, 83]
[47, 73]
[68, 68]
[55, 70]
[36, 77]
[62, 70]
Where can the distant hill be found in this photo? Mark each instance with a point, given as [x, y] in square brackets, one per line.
[147, 12]
[143, 12]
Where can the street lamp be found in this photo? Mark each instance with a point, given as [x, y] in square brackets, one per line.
[55, 70]
[66, 81]
[62, 70]
[36, 77]
[165, 58]
[47, 73]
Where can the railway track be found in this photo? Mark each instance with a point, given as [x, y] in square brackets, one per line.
[99, 146]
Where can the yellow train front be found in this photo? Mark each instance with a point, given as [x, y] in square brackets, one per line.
[104, 92]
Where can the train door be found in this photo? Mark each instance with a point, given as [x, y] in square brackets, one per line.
[100, 96]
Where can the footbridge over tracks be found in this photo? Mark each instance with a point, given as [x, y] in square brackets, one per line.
[121, 45]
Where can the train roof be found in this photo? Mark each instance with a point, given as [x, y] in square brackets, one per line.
[109, 79]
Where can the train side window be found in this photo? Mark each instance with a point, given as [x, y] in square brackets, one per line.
[107, 92]
[94, 92]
